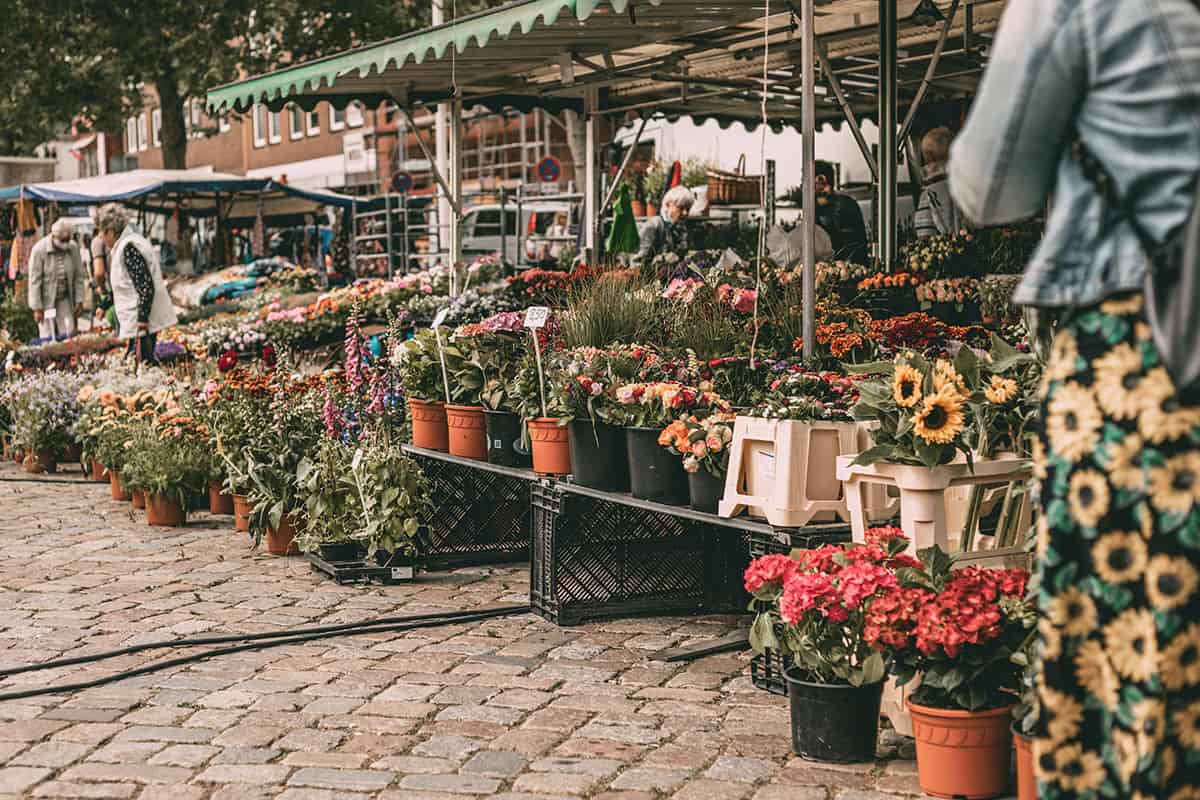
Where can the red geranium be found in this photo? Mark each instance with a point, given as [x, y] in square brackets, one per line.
[268, 356]
[227, 361]
[769, 572]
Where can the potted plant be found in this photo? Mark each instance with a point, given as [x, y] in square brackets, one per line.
[496, 346]
[1025, 715]
[43, 408]
[655, 184]
[545, 417]
[425, 387]
[235, 410]
[966, 626]
[822, 608]
[167, 462]
[466, 429]
[994, 295]
[645, 409]
[703, 443]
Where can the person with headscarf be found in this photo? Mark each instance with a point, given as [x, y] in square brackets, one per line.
[57, 282]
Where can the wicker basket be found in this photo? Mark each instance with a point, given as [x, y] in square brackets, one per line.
[727, 188]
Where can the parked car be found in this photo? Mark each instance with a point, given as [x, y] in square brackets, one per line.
[481, 230]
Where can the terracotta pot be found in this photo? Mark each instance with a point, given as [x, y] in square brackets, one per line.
[98, 473]
[651, 210]
[280, 541]
[429, 431]
[467, 430]
[1026, 778]
[551, 446]
[639, 208]
[164, 511]
[72, 454]
[962, 753]
[39, 461]
[138, 498]
[241, 512]
[4, 444]
[119, 492]
[18, 455]
[219, 501]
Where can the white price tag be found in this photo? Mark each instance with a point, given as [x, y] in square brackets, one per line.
[50, 313]
[440, 318]
[402, 573]
[536, 316]
[358, 454]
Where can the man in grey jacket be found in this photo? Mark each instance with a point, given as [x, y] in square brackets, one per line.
[57, 282]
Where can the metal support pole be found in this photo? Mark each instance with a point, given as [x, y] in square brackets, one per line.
[637, 137]
[836, 86]
[441, 164]
[404, 242]
[808, 116]
[456, 179]
[387, 227]
[439, 175]
[504, 223]
[887, 132]
[930, 71]
[352, 235]
[591, 173]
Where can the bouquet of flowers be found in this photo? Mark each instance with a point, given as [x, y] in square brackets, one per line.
[810, 396]
[701, 442]
[889, 280]
[682, 289]
[916, 331]
[948, 254]
[646, 405]
[828, 600]
[948, 290]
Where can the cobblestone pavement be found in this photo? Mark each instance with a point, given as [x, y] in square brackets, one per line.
[515, 708]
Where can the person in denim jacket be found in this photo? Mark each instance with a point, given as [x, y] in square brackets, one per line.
[1118, 456]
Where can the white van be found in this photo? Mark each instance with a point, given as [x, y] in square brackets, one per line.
[482, 235]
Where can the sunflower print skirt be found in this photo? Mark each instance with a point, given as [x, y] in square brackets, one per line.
[1118, 468]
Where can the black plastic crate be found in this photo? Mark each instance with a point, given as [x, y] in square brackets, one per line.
[766, 671]
[785, 540]
[395, 570]
[598, 555]
[481, 512]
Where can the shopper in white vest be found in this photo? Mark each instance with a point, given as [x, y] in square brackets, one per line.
[140, 299]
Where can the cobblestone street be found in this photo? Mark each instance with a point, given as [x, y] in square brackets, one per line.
[514, 707]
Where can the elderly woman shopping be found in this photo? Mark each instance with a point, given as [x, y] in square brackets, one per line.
[667, 233]
[140, 298]
[57, 282]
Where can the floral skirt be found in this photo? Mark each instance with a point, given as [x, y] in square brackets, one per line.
[1118, 566]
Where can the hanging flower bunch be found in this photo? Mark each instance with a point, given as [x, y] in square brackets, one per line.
[701, 442]
[888, 280]
[947, 290]
[644, 405]
[810, 396]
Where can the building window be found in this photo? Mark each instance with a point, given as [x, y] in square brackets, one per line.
[354, 115]
[156, 126]
[142, 138]
[273, 133]
[337, 119]
[314, 122]
[259, 119]
[131, 135]
[223, 123]
[295, 122]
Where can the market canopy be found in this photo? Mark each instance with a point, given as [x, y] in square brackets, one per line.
[194, 191]
[674, 57]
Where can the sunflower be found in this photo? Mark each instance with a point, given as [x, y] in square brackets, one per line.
[1073, 613]
[1051, 639]
[1079, 770]
[1045, 763]
[1132, 644]
[1066, 713]
[1073, 422]
[1118, 378]
[1149, 724]
[1124, 471]
[1037, 452]
[1175, 486]
[1186, 793]
[906, 386]
[940, 419]
[1064, 357]
[946, 376]
[1087, 497]
[1123, 306]
[1042, 545]
[1186, 724]
[1170, 582]
[1162, 419]
[1179, 663]
[1119, 557]
[1096, 674]
[1001, 390]
[1125, 745]
[1166, 768]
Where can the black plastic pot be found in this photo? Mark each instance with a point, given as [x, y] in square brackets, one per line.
[598, 458]
[504, 440]
[342, 551]
[655, 473]
[705, 490]
[833, 722]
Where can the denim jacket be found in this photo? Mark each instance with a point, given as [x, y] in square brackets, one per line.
[1124, 74]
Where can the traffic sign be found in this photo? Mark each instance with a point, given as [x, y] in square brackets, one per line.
[402, 182]
[549, 169]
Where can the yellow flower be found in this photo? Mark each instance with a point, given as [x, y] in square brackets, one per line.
[1179, 663]
[1186, 723]
[1066, 713]
[940, 420]
[1170, 582]
[1127, 754]
[1087, 497]
[906, 386]
[1064, 356]
[1132, 644]
[1123, 470]
[1123, 306]
[1073, 422]
[1001, 390]
[1118, 379]
[1175, 486]
[945, 375]
[1162, 419]
[1096, 674]
[1079, 770]
[1051, 640]
[1043, 536]
[1119, 557]
[1149, 725]
[1073, 612]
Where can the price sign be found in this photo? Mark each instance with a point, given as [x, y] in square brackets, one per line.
[402, 573]
[536, 316]
[437, 333]
[549, 169]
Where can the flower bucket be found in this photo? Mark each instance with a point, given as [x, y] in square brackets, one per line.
[118, 490]
[281, 539]
[505, 444]
[219, 501]
[39, 461]
[651, 210]
[241, 512]
[962, 753]
[467, 432]
[1026, 777]
[551, 447]
[639, 207]
[164, 511]
[833, 722]
[429, 430]
[655, 473]
[98, 472]
[138, 498]
[705, 491]
[598, 457]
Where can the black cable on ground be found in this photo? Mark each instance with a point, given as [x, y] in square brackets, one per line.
[446, 617]
[258, 645]
[45, 480]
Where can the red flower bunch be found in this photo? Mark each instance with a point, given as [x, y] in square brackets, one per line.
[916, 330]
[769, 573]
[968, 610]
[227, 361]
[268, 356]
